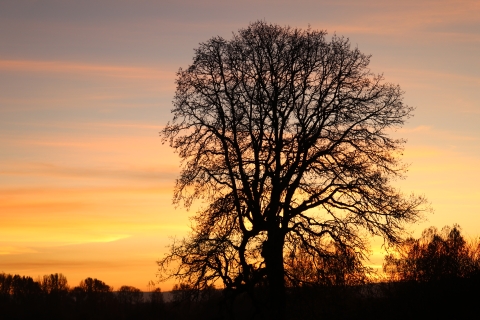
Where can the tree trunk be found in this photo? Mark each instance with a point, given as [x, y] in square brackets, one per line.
[273, 255]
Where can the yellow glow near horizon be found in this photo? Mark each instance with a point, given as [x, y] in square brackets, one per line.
[86, 183]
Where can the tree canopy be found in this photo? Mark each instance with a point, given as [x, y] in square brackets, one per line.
[284, 137]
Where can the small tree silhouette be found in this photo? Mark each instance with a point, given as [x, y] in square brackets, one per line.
[129, 295]
[54, 283]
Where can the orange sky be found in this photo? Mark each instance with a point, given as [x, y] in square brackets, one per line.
[85, 87]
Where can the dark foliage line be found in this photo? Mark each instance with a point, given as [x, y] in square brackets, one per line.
[51, 297]
[436, 275]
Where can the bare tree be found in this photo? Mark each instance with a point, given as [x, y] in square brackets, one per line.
[436, 255]
[283, 135]
[54, 283]
[128, 295]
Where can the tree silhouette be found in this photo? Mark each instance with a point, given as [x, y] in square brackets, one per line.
[94, 292]
[24, 288]
[5, 285]
[436, 255]
[156, 297]
[129, 295]
[90, 285]
[283, 135]
[54, 283]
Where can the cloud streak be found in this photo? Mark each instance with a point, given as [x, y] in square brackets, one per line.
[52, 170]
[114, 71]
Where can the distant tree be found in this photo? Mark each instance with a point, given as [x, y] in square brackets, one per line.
[5, 288]
[129, 295]
[284, 135]
[54, 283]
[90, 285]
[56, 296]
[5, 284]
[156, 297]
[23, 287]
[92, 291]
[183, 293]
[436, 255]
[20, 297]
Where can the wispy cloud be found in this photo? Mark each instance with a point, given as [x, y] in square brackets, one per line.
[129, 173]
[421, 75]
[86, 69]
[8, 250]
[439, 134]
[405, 17]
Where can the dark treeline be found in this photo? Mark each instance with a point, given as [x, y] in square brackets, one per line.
[437, 274]
[51, 297]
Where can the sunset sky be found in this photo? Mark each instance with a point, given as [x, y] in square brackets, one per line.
[85, 87]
